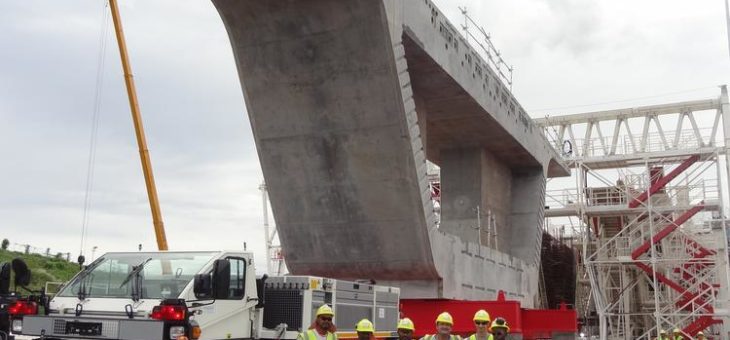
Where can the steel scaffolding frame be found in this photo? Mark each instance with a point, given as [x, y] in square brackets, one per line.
[275, 264]
[651, 265]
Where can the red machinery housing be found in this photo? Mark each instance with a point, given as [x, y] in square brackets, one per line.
[530, 323]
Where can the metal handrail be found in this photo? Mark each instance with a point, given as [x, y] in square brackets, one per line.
[490, 51]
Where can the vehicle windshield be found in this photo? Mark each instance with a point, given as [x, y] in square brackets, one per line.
[164, 276]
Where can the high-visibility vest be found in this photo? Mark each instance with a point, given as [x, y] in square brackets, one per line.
[312, 335]
[474, 337]
[433, 337]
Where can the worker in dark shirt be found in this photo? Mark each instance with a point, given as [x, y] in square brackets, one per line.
[499, 329]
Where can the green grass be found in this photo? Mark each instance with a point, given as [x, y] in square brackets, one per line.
[43, 269]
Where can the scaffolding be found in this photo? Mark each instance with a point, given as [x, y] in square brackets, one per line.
[649, 206]
[275, 264]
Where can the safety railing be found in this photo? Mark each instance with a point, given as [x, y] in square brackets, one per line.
[631, 187]
[561, 198]
[706, 190]
[479, 36]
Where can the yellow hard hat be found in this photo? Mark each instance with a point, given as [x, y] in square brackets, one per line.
[499, 323]
[325, 310]
[482, 315]
[365, 326]
[700, 333]
[406, 323]
[446, 318]
[677, 330]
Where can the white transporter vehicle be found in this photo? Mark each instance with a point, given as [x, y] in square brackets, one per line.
[201, 295]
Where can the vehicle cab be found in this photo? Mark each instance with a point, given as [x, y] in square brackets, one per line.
[154, 295]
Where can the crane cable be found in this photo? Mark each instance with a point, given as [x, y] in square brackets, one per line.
[95, 116]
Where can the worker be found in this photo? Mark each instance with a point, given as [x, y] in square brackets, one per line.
[499, 329]
[677, 334]
[406, 329]
[662, 335]
[365, 330]
[322, 328]
[444, 324]
[481, 322]
[701, 336]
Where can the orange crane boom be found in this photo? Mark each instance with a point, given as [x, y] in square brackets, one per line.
[139, 129]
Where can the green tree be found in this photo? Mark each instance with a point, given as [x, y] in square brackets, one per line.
[5, 244]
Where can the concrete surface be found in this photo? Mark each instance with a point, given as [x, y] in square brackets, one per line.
[347, 100]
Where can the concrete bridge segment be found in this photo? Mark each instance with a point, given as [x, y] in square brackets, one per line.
[347, 100]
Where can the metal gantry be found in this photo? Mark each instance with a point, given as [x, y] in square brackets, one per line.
[649, 203]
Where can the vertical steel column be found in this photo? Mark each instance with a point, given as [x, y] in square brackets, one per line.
[725, 112]
[722, 253]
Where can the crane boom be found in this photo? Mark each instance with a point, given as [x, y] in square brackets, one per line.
[139, 130]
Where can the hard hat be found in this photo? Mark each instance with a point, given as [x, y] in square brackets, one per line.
[365, 326]
[700, 333]
[325, 310]
[482, 315]
[499, 323]
[446, 318]
[406, 323]
[677, 330]
[662, 332]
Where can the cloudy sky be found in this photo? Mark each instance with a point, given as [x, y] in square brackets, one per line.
[568, 55]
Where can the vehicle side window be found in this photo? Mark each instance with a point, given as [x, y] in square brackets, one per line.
[238, 275]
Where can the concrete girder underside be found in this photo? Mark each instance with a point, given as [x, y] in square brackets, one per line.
[342, 99]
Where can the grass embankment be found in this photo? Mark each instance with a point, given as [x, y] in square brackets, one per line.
[43, 269]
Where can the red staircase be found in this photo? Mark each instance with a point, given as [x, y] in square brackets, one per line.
[667, 230]
[663, 181]
[688, 299]
[700, 324]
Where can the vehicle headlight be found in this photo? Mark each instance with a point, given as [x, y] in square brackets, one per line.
[17, 326]
[176, 331]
